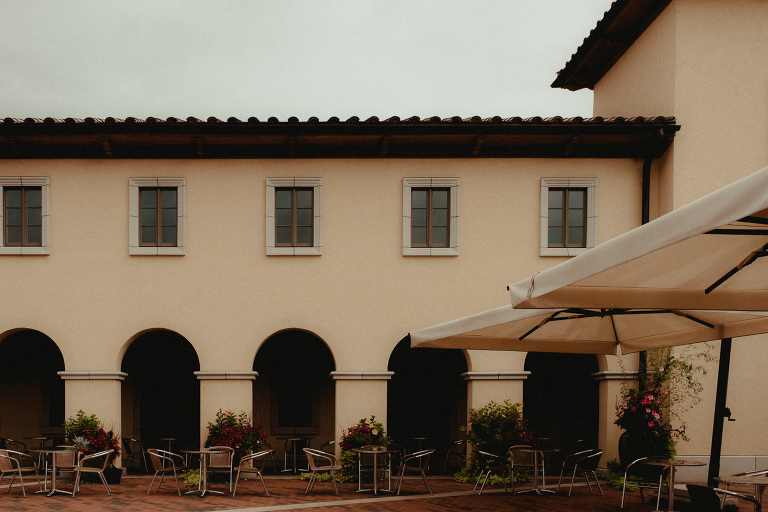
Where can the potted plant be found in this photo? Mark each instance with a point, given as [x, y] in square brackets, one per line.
[235, 431]
[87, 433]
[367, 431]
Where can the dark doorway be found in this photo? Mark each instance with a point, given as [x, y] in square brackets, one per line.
[31, 391]
[561, 398]
[426, 397]
[295, 385]
[164, 389]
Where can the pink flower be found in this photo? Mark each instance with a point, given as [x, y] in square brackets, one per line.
[661, 368]
[650, 423]
[651, 379]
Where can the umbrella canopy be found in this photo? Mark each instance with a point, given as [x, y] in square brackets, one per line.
[587, 331]
[705, 255]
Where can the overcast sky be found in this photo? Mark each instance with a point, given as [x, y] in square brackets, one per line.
[282, 58]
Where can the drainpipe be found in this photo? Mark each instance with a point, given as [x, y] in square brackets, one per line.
[645, 217]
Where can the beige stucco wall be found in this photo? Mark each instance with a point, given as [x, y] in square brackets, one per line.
[703, 61]
[226, 297]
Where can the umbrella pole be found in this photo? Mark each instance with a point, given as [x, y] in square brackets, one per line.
[721, 411]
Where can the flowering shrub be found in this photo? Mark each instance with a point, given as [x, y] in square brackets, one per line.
[367, 431]
[495, 427]
[670, 389]
[87, 433]
[235, 431]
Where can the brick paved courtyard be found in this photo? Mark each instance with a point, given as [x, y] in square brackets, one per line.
[288, 494]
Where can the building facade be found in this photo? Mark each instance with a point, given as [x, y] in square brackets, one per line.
[155, 271]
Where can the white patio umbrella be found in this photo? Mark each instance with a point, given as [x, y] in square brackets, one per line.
[588, 331]
[705, 255]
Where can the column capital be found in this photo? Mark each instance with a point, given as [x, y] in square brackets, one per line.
[495, 375]
[221, 375]
[92, 375]
[362, 375]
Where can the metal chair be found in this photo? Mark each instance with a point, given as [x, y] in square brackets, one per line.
[707, 499]
[134, 451]
[456, 450]
[315, 458]
[522, 459]
[582, 462]
[327, 444]
[81, 468]
[758, 489]
[643, 477]
[164, 463]
[222, 462]
[267, 447]
[10, 462]
[417, 462]
[247, 466]
[491, 463]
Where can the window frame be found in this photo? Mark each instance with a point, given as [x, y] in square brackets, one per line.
[27, 182]
[590, 184]
[453, 216]
[135, 248]
[272, 248]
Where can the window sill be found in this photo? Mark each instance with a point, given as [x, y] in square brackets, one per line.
[427, 251]
[156, 251]
[294, 251]
[562, 251]
[21, 251]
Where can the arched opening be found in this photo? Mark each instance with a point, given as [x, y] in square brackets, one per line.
[426, 398]
[294, 394]
[31, 391]
[161, 394]
[561, 398]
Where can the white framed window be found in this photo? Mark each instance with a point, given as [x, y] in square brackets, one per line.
[294, 216]
[430, 216]
[568, 216]
[25, 215]
[156, 216]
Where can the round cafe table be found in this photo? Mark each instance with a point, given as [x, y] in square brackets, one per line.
[204, 453]
[53, 452]
[759, 481]
[672, 464]
[375, 451]
[538, 458]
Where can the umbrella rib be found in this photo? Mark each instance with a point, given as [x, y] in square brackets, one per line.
[759, 253]
[541, 324]
[691, 317]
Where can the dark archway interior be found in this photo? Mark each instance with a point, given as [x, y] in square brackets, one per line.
[296, 365]
[29, 362]
[561, 398]
[166, 393]
[426, 397]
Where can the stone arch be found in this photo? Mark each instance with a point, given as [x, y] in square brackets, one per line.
[294, 394]
[561, 398]
[161, 393]
[426, 397]
[31, 391]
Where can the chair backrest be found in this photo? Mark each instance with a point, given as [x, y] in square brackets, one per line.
[421, 458]
[247, 461]
[522, 455]
[97, 455]
[157, 459]
[315, 456]
[6, 463]
[65, 459]
[589, 461]
[703, 498]
[17, 446]
[221, 460]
